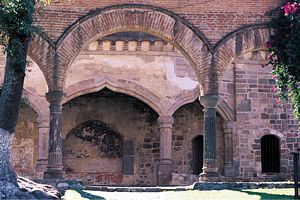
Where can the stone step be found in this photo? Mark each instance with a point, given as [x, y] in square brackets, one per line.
[136, 189]
[196, 186]
[241, 185]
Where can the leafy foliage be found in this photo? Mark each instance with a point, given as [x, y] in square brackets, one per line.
[16, 26]
[16, 17]
[284, 45]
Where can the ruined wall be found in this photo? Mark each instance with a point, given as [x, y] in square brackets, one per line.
[25, 142]
[132, 119]
[189, 124]
[258, 114]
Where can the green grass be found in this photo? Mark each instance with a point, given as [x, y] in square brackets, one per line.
[254, 194]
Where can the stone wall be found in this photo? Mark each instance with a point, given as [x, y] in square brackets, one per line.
[25, 142]
[85, 153]
[258, 114]
[132, 119]
[137, 122]
[189, 124]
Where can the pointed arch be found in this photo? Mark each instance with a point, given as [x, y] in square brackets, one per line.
[117, 85]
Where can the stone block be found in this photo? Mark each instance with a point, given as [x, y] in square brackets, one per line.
[119, 45]
[106, 45]
[132, 45]
[93, 46]
[145, 46]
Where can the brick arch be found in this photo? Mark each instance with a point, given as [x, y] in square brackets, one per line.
[156, 21]
[237, 43]
[117, 85]
[42, 51]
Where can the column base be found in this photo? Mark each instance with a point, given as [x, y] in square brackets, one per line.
[41, 165]
[53, 173]
[210, 172]
[165, 169]
[209, 177]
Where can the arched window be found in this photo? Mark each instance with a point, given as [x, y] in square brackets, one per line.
[270, 154]
[198, 154]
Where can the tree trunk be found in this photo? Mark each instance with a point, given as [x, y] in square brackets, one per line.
[11, 94]
[9, 110]
[13, 85]
[9, 107]
[8, 180]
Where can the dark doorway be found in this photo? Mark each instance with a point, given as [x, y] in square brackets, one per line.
[270, 154]
[198, 154]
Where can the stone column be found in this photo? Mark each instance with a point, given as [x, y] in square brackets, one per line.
[210, 165]
[229, 169]
[54, 168]
[42, 161]
[165, 166]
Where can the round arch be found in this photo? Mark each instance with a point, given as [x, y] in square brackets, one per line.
[117, 85]
[156, 21]
[237, 43]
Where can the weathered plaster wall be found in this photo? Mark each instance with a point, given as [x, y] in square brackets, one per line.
[25, 142]
[164, 73]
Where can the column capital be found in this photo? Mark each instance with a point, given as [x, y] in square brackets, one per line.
[209, 101]
[43, 122]
[55, 96]
[165, 121]
[228, 127]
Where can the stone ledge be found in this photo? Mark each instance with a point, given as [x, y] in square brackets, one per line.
[196, 186]
[241, 185]
[63, 185]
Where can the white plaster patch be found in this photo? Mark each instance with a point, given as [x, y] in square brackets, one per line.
[184, 83]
